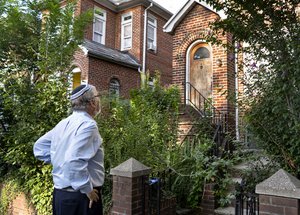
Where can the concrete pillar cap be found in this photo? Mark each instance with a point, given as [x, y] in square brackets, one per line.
[130, 168]
[280, 184]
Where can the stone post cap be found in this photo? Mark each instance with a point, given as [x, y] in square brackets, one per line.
[131, 168]
[280, 184]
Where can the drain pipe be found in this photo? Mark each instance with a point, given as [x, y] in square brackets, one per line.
[145, 37]
[237, 132]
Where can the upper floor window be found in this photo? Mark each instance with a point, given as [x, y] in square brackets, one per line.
[151, 33]
[126, 31]
[114, 87]
[99, 25]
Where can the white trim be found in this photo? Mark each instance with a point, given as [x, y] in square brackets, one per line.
[76, 70]
[123, 24]
[182, 12]
[187, 65]
[101, 19]
[154, 26]
[84, 49]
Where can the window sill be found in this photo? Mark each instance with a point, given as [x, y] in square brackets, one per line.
[154, 52]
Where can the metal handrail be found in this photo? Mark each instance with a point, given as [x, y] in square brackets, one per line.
[206, 109]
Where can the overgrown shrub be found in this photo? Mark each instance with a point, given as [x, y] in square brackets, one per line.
[36, 51]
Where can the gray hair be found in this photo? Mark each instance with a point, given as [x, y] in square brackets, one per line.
[80, 103]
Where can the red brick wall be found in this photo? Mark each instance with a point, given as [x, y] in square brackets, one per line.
[278, 205]
[81, 61]
[208, 202]
[101, 72]
[191, 29]
[127, 195]
[20, 206]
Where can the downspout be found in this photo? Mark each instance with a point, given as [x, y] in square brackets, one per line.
[236, 92]
[145, 37]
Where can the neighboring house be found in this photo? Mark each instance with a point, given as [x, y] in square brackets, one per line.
[115, 51]
[202, 70]
[120, 44]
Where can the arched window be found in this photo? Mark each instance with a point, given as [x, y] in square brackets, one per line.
[114, 87]
[201, 53]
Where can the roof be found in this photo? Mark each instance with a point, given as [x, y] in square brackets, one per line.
[175, 20]
[100, 51]
[120, 5]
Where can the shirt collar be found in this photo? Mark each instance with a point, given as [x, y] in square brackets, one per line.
[78, 112]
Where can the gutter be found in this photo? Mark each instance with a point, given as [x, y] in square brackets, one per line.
[145, 37]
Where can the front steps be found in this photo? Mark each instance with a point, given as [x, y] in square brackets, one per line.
[236, 173]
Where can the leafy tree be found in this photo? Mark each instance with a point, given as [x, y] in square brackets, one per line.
[37, 43]
[271, 30]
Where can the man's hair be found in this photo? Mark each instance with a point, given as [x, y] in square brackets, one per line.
[81, 102]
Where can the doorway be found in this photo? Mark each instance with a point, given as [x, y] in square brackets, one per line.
[200, 74]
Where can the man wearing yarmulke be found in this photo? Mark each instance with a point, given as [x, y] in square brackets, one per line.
[74, 148]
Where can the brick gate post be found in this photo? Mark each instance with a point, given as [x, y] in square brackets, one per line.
[128, 196]
[279, 194]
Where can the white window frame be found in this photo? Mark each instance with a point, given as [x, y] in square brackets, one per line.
[100, 18]
[125, 23]
[152, 24]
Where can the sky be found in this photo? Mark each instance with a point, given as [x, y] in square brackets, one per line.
[171, 5]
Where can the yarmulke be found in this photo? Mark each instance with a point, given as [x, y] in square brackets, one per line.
[79, 91]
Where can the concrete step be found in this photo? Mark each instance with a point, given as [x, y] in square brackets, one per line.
[184, 211]
[225, 211]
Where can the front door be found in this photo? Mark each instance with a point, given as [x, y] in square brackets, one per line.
[201, 70]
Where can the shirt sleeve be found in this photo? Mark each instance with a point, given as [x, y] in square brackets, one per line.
[41, 148]
[84, 147]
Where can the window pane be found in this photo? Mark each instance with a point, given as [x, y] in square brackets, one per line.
[98, 26]
[151, 20]
[150, 42]
[150, 32]
[126, 18]
[97, 37]
[114, 87]
[127, 30]
[202, 53]
[127, 42]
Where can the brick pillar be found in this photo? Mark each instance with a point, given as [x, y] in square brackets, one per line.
[279, 194]
[20, 206]
[128, 188]
[208, 203]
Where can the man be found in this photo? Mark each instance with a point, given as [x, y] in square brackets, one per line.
[74, 148]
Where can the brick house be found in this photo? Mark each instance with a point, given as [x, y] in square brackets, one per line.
[202, 70]
[115, 50]
[119, 45]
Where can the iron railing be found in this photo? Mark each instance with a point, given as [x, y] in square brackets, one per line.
[247, 203]
[206, 109]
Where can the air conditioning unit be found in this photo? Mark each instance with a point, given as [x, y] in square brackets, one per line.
[151, 47]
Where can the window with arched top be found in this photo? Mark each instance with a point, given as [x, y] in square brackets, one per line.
[201, 53]
[114, 87]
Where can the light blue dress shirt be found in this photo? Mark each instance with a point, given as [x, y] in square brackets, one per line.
[74, 148]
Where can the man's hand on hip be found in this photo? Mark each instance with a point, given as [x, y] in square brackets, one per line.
[93, 197]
